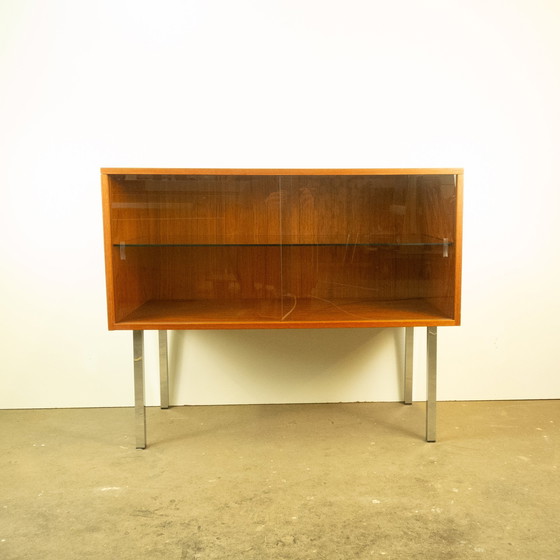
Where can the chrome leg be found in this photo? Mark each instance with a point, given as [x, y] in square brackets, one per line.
[408, 359]
[139, 406]
[431, 385]
[163, 370]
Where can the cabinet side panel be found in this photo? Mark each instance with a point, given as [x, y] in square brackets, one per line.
[458, 247]
[109, 278]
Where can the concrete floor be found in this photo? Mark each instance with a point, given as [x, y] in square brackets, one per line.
[335, 481]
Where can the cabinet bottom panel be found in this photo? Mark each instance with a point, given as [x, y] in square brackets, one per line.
[287, 312]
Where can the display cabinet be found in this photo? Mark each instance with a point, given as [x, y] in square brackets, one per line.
[282, 248]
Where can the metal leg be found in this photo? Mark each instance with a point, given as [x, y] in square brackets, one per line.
[408, 359]
[431, 386]
[163, 370]
[139, 406]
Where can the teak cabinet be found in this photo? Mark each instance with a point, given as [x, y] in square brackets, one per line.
[281, 248]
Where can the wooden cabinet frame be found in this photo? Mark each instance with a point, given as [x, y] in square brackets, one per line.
[282, 248]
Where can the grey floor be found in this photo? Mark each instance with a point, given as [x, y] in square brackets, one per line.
[333, 481]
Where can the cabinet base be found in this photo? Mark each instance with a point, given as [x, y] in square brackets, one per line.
[139, 399]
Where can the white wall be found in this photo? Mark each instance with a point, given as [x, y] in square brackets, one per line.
[295, 83]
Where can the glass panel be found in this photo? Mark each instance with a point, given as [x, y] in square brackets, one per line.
[369, 246]
[211, 249]
[198, 248]
[196, 209]
[206, 283]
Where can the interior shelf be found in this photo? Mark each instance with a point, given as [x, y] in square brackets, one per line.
[288, 312]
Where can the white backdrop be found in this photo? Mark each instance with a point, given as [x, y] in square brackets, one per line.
[294, 83]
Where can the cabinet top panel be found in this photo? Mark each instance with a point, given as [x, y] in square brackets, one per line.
[183, 171]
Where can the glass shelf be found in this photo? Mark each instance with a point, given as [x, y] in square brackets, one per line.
[440, 244]
[354, 241]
